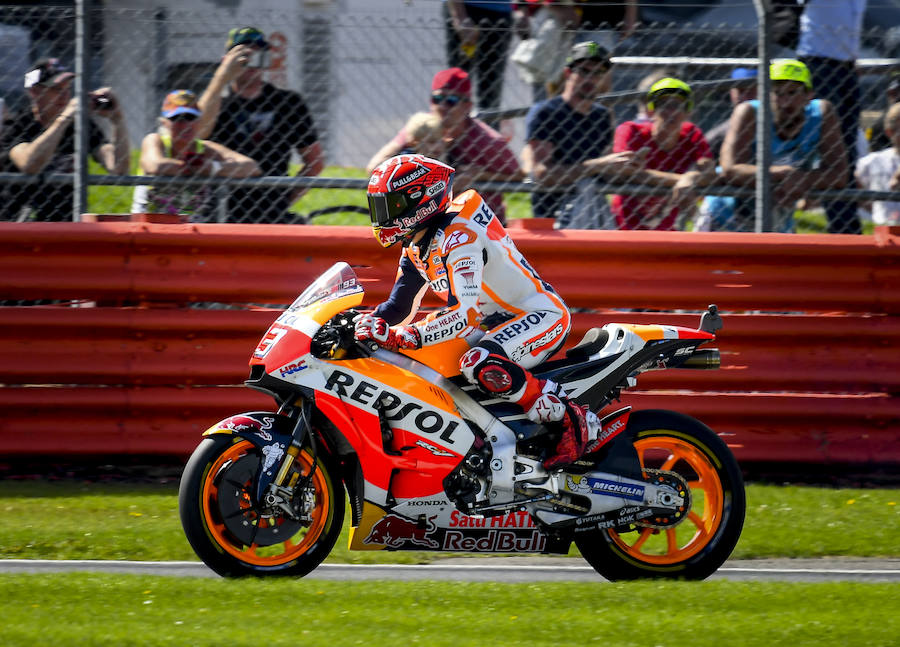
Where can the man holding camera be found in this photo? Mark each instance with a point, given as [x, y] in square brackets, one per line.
[43, 141]
[261, 121]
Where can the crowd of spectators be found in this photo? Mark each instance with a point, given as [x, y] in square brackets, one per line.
[240, 127]
[574, 147]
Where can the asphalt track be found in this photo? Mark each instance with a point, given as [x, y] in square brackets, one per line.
[499, 569]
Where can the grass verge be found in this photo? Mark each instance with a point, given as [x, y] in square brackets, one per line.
[89, 609]
[79, 520]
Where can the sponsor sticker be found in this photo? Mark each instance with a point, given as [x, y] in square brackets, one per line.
[403, 180]
[399, 409]
[602, 486]
[454, 240]
[505, 541]
[395, 531]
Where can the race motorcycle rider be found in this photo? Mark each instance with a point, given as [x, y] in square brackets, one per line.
[459, 248]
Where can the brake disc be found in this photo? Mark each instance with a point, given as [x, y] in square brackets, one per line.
[250, 524]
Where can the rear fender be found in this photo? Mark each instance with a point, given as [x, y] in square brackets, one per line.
[611, 425]
[619, 455]
[271, 432]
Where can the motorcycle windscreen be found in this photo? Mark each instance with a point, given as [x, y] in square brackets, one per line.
[289, 337]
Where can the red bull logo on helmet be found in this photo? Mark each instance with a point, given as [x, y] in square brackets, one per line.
[389, 235]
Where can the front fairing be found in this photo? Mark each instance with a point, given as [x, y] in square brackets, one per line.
[288, 339]
[364, 395]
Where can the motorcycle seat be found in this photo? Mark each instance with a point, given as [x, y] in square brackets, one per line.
[593, 342]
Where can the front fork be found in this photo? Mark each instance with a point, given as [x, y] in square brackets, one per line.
[300, 435]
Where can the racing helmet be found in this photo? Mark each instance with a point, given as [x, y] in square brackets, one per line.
[406, 192]
[669, 85]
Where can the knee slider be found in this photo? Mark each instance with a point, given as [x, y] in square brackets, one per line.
[493, 373]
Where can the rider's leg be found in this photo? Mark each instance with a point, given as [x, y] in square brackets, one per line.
[487, 366]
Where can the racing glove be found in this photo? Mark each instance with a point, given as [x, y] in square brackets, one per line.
[371, 327]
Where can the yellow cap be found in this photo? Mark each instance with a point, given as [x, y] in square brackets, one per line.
[669, 85]
[790, 69]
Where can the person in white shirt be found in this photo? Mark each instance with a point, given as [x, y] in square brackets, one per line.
[829, 46]
[880, 171]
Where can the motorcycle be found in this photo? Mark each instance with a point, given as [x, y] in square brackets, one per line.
[428, 462]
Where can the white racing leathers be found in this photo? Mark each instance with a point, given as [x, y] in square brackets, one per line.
[472, 263]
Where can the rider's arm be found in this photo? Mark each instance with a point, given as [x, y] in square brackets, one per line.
[463, 254]
[405, 296]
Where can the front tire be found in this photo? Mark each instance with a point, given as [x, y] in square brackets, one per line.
[235, 537]
[697, 546]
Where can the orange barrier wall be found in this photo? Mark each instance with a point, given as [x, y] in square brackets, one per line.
[139, 372]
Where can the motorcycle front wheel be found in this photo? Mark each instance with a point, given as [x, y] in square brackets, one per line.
[696, 544]
[236, 537]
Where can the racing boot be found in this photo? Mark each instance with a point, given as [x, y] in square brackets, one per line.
[580, 426]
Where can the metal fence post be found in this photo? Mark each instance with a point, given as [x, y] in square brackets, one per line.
[82, 116]
[764, 217]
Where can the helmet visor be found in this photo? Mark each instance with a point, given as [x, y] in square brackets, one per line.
[386, 208]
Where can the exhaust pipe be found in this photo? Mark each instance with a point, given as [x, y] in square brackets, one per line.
[704, 358]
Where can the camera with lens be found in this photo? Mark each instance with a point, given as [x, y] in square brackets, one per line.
[102, 103]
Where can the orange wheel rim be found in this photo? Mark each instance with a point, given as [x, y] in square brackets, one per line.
[285, 551]
[673, 545]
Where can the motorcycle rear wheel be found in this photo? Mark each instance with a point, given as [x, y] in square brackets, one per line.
[697, 546]
[236, 538]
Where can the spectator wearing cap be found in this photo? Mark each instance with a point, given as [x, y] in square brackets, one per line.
[643, 87]
[478, 152]
[567, 142]
[675, 156]
[43, 141]
[717, 211]
[175, 150]
[743, 89]
[246, 114]
[807, 149]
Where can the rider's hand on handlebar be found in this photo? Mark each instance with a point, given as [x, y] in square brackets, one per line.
[373, 328]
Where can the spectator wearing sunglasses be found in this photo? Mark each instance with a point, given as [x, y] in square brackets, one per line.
[247, 114]
[175, 150]
[42, 140]
[477, 152]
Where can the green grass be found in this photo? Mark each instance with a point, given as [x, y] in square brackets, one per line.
[75, 519]
[78, 520]
[112, 199]
[75, 610]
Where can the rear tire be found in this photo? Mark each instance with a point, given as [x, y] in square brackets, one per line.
[236, 538]
[698, 545]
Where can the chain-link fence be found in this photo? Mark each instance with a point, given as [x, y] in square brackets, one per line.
[325, 88]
